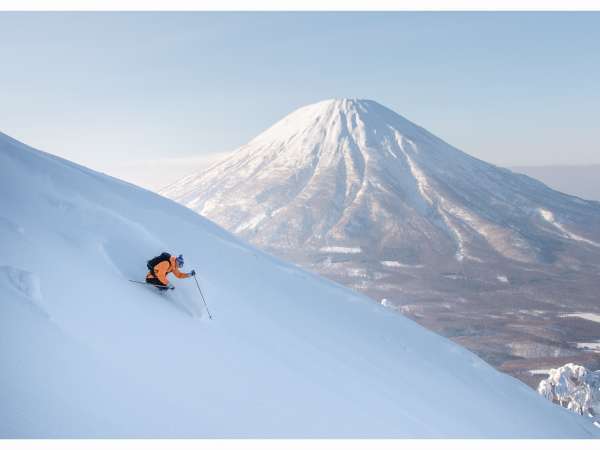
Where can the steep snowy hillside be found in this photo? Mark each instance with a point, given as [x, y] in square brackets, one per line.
[355, 192]
[86, 353]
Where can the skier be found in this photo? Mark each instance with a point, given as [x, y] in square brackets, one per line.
[160, 266]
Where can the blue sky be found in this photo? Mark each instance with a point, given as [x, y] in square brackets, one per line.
[109, 88]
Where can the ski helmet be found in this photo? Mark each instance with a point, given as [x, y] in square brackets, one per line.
[179, 261]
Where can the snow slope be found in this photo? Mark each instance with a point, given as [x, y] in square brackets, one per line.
[87, 354]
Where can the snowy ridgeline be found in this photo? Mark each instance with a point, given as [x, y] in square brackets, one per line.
[575, 388]
[86, 353]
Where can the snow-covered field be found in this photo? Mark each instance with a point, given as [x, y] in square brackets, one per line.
[549, 217]
[351, 250]
[86, 353]
[539, 371]
[401, 265]
[594, 346]
[587, 316]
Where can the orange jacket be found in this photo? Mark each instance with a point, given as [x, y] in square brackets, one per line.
[163, 268]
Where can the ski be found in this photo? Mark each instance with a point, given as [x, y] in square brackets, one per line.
[162, 293]
[152, 285]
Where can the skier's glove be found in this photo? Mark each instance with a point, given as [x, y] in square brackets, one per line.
[193, 272]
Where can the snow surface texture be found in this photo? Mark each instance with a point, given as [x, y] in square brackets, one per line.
[288, 354]
[573, 387]
[587, 316]
[26, 285]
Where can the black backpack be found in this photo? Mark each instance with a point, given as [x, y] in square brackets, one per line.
[164, 256]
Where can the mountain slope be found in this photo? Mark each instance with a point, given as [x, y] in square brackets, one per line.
[288, 354]
[355, 192]
[375, 174]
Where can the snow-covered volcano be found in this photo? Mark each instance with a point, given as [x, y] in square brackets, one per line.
[87, 353]
[354, 191]
[354, 174]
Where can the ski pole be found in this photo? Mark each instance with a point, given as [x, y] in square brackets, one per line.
[200, 290]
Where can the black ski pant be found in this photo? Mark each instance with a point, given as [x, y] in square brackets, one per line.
[156, 282]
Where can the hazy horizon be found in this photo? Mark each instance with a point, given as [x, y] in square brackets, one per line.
[579, 180]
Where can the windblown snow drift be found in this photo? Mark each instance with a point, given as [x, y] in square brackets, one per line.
[87, 354]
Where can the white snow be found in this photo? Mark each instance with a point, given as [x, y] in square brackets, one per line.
[420, 178]
[7, 226]
[401, 265]
[548, 216]
[348, 250]
[288, 354]
[539, 371]
[252, 223]
[573, 387]
[25, 283]
[594, 346]
[587, 316]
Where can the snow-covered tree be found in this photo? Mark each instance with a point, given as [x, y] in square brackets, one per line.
[573, 387]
